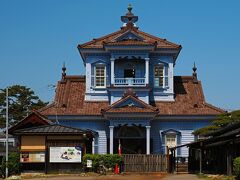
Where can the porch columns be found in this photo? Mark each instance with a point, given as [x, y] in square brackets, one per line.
[146, 70]
[111, 139]
[112, 70]
[148, 139]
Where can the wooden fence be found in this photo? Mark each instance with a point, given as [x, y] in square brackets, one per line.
[145, 163]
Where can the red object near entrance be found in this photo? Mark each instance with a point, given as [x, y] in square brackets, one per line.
[119, 148]
[116, 169]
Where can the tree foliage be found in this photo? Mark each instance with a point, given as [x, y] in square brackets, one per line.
[13, 164]
[22, 100]
[220, 122]
[236, 167]
[108, 160]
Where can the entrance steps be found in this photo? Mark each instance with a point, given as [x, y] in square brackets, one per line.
[182, 167]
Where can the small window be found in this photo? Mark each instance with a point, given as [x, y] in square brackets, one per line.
[160, 76]
[171, 140]
[100, 76]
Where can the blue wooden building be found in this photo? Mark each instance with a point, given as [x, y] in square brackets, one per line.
[130, 95]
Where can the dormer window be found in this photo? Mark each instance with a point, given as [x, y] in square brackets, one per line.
[160, 76]
[100, 76]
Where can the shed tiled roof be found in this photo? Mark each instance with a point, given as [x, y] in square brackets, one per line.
[52, 129]
[189, 100]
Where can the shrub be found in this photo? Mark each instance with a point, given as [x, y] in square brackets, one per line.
[13, 164]
[236, 167]
[109, 160]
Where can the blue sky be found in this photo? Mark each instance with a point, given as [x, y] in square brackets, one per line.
[36, 37]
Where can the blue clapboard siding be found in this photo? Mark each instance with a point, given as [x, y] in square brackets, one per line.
[186, 137]
[99, 126]
[184, 127]
[102, 142]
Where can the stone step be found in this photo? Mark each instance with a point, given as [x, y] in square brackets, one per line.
[182, 167]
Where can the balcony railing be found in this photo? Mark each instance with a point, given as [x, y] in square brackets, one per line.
[129, 82]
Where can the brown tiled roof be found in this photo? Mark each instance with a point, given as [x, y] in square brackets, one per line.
[189, 100]
[111, 38]
[69, 99]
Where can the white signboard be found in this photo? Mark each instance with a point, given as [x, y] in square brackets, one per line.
[89, 163]
[32, 157]
[65, 155]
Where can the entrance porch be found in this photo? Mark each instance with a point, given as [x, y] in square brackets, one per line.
[133, 139]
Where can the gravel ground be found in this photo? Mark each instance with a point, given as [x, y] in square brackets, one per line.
[123, 177]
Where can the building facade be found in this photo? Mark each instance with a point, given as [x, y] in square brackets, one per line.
[129, 94]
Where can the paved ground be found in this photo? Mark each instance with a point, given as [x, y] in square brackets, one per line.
[126, 177]
[181, 177]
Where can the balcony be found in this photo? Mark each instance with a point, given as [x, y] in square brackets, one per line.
[123, 82]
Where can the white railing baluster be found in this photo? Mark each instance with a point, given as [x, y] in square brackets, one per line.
[129, 82]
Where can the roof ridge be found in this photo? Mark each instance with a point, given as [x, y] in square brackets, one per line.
[99, 39]
[43, 126]
[214, 107]
[160, 39]
[46, 107]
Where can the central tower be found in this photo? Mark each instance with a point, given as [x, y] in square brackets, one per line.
[129, 58]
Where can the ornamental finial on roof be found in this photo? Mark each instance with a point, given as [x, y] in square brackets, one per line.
[129, 18]
[64, 71]
[194, 73]
[194, 68]
[129, 8]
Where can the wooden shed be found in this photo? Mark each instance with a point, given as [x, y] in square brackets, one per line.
[215, 155]
[51, 148]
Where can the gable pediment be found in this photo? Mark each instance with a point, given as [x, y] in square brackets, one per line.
[35, 119]
[130, 102]
[129, 35]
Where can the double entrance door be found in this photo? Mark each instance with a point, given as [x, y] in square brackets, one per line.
[130, 145]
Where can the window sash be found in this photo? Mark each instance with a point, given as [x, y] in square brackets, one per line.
[100, 76]
[160, 76]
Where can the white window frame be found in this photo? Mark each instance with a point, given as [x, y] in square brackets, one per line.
[95, 77]
[170, 134]
[164, 77]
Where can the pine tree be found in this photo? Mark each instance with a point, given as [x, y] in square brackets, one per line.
[22, 100]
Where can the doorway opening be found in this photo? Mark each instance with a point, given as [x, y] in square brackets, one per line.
[132, 139]
[129, 73]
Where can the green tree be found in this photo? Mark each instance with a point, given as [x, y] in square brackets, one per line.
[220, 122]
[21, 101]
[13, 164]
